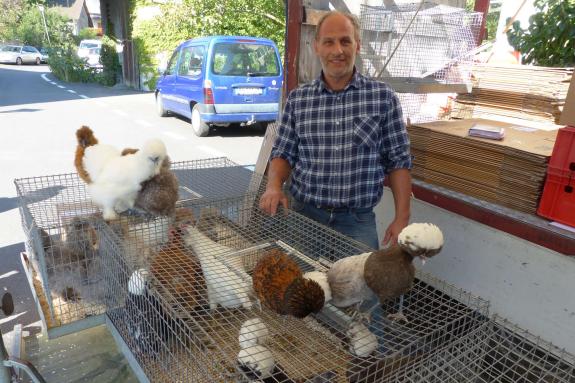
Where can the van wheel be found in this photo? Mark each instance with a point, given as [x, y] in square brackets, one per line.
[160, 106]
[201, 129]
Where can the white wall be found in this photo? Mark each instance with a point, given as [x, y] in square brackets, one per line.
[526, 283]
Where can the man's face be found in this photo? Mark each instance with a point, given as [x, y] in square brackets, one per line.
[336, 47]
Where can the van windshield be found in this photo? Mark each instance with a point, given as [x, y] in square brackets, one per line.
[85, 45]
[245, 59]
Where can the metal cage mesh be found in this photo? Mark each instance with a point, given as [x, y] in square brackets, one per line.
[179, 330]
[437, 45]
[60, 221]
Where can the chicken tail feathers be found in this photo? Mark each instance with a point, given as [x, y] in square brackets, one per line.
[304, 297]
[86, 138]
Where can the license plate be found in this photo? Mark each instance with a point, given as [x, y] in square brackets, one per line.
[248, 91]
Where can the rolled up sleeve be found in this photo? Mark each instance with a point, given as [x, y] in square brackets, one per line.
[395, 149]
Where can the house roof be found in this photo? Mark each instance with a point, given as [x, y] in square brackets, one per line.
[72, 9]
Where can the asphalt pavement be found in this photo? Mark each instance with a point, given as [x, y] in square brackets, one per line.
[38, 119]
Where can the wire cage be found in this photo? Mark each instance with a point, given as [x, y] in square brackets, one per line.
[418, 46]
[188, 311]
[63, 242]
[497, 351]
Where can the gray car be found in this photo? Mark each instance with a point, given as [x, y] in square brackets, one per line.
[20, 54]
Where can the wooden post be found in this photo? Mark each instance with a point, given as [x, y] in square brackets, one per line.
[483, 7]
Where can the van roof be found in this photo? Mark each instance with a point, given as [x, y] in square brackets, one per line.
[229, 39]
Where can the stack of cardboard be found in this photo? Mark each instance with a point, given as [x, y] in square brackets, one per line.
[509, 172]
[515, 91]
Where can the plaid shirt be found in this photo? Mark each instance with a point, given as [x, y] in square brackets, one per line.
[341, 145]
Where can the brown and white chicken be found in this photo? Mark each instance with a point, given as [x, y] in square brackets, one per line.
[385, 274]
[281, 286]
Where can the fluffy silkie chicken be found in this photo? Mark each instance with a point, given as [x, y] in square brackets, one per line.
[386, 273]
[115, 180]
[281, 286]
[226, 279]
[179, 272]
[159, 194]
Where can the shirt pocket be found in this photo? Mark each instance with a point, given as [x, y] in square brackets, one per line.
[366, 131]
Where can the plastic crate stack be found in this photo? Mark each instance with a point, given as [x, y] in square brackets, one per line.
[62, 228]
[187, 311]
[558, 198]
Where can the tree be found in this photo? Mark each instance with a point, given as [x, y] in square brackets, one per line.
[550, 38]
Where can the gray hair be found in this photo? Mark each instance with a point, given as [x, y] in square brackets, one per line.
[352, 19]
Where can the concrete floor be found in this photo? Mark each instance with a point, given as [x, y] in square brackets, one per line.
[87, 356]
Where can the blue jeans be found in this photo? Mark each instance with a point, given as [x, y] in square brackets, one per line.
[356, 223]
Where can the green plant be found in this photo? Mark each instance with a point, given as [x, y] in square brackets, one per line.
[87, 34]
[67, 66]
[550, 38]
[110, 62]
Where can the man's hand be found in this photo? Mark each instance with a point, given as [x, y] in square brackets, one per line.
[271, 199]
[393, 231]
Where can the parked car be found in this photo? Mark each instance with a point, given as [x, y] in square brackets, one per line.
[222, 80]
[45, 52]
[20, 54]
[93, 58]
[86, 46]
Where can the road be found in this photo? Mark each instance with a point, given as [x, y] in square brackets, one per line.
[38, 119]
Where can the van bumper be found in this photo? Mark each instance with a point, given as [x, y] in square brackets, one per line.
[209, 115]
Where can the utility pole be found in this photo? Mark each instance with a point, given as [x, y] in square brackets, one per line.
[41, 8]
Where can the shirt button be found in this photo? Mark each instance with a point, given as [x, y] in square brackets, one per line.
[337, 122]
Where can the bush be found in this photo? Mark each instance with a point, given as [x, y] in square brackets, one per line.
[67, 66]
[110, 62]
[87, 34]
[550, 38]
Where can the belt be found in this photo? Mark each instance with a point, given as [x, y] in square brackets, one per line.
[343, 209]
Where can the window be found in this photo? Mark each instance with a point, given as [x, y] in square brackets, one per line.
[191, 61]
[172, 63]
[242, 59]
[29, 50]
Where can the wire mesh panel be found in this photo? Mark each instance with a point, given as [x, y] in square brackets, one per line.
[191, 310]
[60, 221]
[407, 43]
[497, 351]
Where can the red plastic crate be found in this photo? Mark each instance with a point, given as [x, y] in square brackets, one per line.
[558, 199]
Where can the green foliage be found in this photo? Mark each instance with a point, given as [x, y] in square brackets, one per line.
[550, 38]
[110, 62]
[159, 35]
[87, 34]
[67, 66]
[22, 22]
[491, 21]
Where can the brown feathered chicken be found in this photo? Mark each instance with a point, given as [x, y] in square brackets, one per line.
[179, 272]
[159, 194]
[85, 139]
[386, 273]
[280, 285]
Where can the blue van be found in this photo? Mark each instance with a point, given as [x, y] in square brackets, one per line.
[222, 80]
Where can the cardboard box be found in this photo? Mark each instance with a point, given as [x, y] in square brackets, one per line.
[568, 114]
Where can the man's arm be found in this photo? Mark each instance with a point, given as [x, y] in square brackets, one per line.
[278, 172]
[400, 184]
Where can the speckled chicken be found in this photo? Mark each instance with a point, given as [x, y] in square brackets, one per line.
[386, 273]
[179, 272]
[280, 285]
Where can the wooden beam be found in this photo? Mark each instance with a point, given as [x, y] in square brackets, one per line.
[294, 21]
[483, 7]
[424, 85]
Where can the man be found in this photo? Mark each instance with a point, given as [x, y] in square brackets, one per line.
[341, 135]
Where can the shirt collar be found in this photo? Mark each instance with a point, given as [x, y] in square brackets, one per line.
[356, 81]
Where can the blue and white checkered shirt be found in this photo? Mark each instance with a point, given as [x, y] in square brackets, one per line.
[341, 145]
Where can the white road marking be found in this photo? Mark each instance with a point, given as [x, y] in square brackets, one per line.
[81, 95]
[211, 151]
[144, 123]
[61, 87]
[175, 136]
[9, 274]
[45, 78]
[53, 83]
[120, 112]
[71, 91]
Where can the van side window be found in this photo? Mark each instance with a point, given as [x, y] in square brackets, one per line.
[191, 61]
[171, 69]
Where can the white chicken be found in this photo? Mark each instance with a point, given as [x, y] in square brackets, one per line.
[227, 282]
[116, 179]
